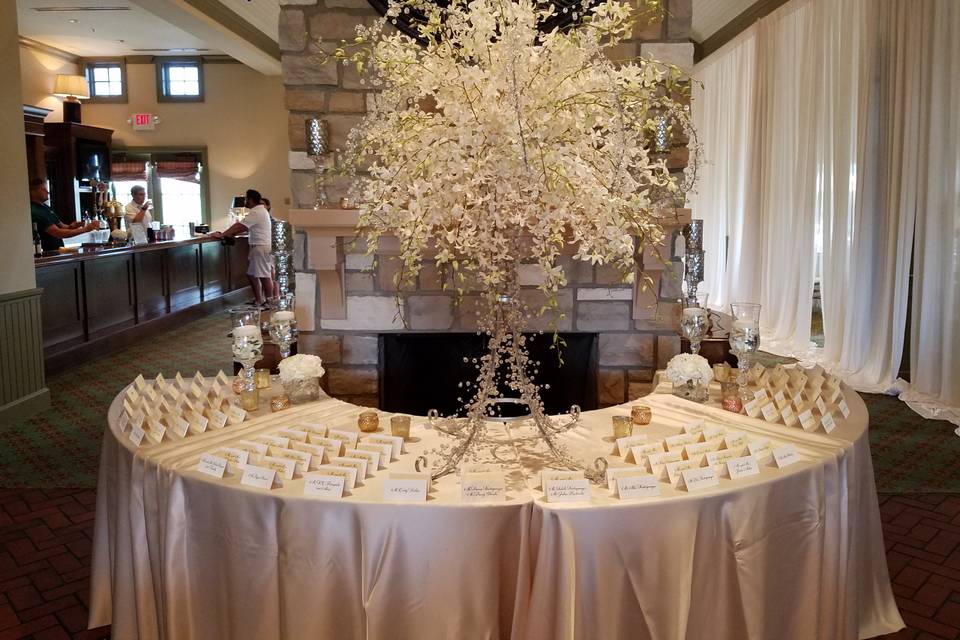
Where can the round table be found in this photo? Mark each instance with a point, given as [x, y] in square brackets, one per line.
[789, 553]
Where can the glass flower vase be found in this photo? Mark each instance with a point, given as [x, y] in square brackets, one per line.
[302, 390]
[691, 390]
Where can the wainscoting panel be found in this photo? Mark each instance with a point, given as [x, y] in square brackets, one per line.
[22, 382]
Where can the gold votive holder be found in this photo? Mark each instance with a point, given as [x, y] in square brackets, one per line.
[400, 426]
[237, 385]
[368, 421]
[279, 403]
[622, 426]
[262, 378]
[250, 398]
[730, 397]
[641, 414]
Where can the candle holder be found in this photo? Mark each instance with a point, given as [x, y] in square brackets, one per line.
[283, 325]
[368, 421]
[622, 426]
[400, 426]
[247, 349]
[744, 340]
[641, 414]
[318, 145]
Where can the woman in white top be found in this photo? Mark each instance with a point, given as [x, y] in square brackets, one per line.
[137, 210]
[258, 227]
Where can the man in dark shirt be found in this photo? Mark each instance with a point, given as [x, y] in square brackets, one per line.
[52, 230]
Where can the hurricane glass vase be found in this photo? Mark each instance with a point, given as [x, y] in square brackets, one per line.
[692, 390]
[302, 390]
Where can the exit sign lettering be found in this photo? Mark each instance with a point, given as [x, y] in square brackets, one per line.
[143, 121]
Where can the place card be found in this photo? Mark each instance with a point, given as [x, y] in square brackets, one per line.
[712, 431]
[694, 427]
[678, 441]
[742, 467]
[833, 395]
[761, 395]
[483, 487]
[798, 400]
[760, 449]
[799, 378]
[572, 490]
[301, 458]
[624, 444]
[315, 428]
[547, 475]
[735, 440]
[719, 458]
[294, 435]
[235, 415]
[137, 419]
[829, 424]
[178, 379]
[349, 474]
[405, 489]
[752, 408]
[785, 455]
[131, 394]
[277, 441]
[413, 475]
[159, 383]
[821, 405]
[198, 421]
[123, 423]
[372, 458]
[148, 395]
[195, 392]
[780, 399]
[844, 407]
[155, 430]
[764, 378]
[770, 413]
[217, 419]
[348, 438]
[234, 455]
[396, 442]
[360, 464]
[331, 446]
[221, 379]
[323, 486]
[385, 451]
[317, 453]
[199, 379]
[260, 477]
[756, 371]
[656, 462]
[788, 415]
[258, 448]
[613, 473]
[280, 465]
[631, 487]
[807, 420]
[212, 465]
[136, 435]
[180, 426]
[699, 479]
[639, 452]
[674, 469]
[697, 451]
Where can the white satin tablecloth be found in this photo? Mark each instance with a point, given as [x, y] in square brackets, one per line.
[793, 553]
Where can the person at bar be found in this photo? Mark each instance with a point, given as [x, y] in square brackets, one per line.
[51, 229]
[258, 226]
[137, 210]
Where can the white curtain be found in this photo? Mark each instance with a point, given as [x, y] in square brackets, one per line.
[844, 133]
[933, 64]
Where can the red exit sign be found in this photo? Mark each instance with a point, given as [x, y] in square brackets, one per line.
[142, 121]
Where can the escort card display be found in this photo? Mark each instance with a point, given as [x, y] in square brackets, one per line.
[168, 410]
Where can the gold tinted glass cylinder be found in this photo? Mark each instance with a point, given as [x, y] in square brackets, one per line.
[250, 398]
[262, 378]
[622, 426]
[400, 426]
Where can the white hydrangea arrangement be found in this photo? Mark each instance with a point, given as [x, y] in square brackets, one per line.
[686, 367]
[299, 367]
[490, 143]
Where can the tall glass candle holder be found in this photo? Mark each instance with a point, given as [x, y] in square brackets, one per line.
[744, 339]
[283, 325]
[693, 326]
[247, 346]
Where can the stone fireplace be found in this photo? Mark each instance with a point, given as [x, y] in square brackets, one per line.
[347, 299]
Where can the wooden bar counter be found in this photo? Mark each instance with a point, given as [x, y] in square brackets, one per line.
[98, 300]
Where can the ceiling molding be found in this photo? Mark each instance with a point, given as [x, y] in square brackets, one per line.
[47, 49]
[735, 27]
[223, 30]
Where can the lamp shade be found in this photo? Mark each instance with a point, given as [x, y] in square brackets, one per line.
[75, 86]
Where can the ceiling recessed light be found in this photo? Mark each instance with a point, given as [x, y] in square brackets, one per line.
[72, 21]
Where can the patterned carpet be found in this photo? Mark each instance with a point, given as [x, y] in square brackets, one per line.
[61, 448]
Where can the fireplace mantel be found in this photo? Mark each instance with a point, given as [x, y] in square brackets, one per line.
[326, 230]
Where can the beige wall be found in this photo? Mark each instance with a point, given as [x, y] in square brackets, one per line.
[38, 71]
[16, 259]
[242, 123]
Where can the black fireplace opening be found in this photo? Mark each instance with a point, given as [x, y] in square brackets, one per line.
[423, 371]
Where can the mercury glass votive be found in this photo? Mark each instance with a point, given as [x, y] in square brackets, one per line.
[279, 403]
[262, 378]
[730, 397]
[400, 426]
[641, 414]
[622, 426]
[368, 421]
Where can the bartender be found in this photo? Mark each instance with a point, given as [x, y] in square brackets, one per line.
[51, 229]
[137, 210]
[258, 226]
